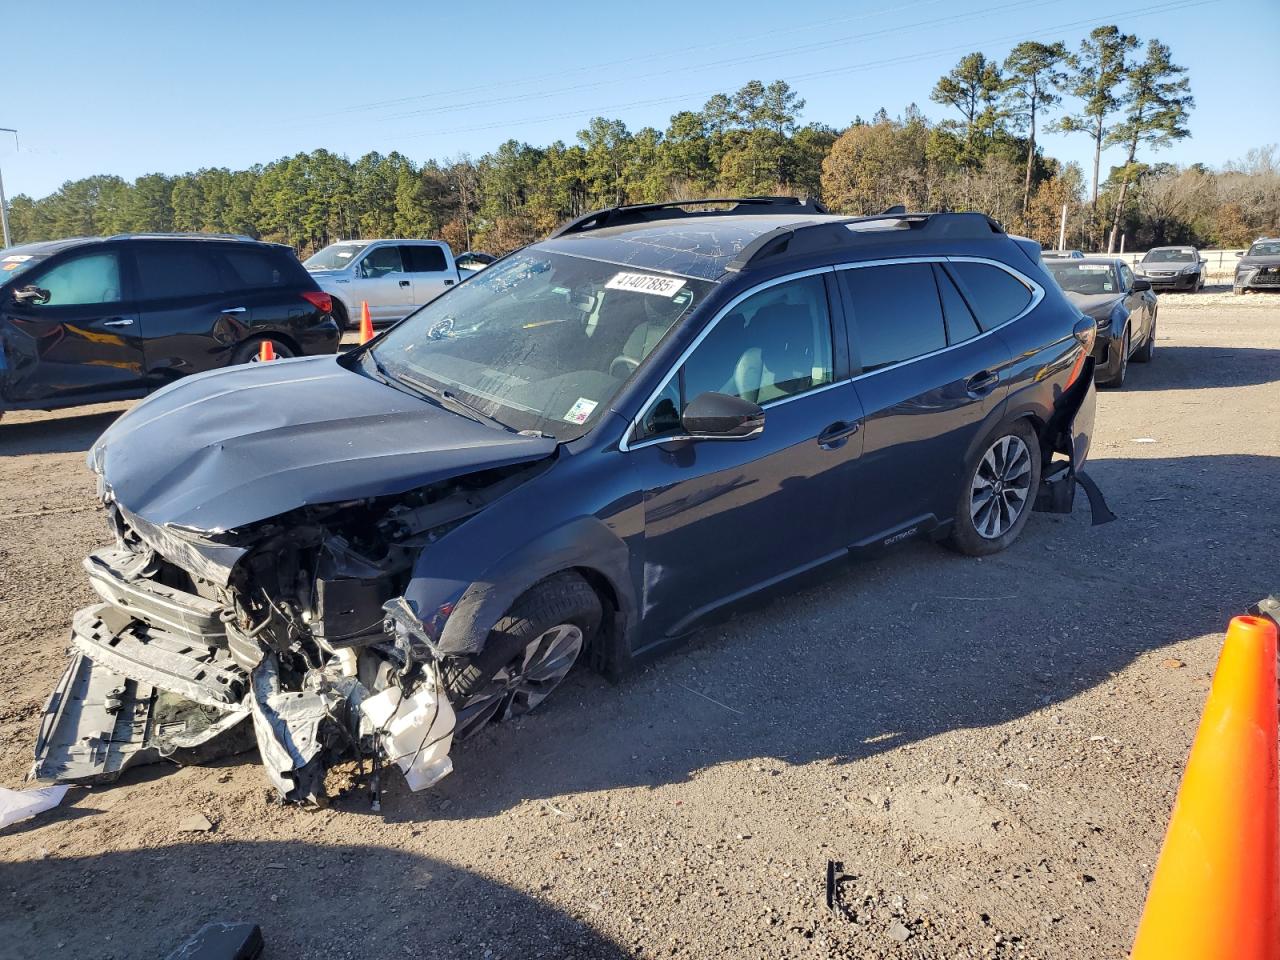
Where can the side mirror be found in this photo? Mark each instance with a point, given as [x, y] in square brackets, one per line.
[1239, 253]
[1139, 285]
[720, 416]
[31, 294]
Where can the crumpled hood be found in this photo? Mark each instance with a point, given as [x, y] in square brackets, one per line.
[219, 450]
[1096, 305]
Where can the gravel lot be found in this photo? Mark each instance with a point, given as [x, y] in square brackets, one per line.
[990, 747]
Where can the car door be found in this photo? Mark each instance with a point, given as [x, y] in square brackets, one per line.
[428, 268]
[725, 517]
[1135, 302]
[380, 280]
[82, 342]
[930, 374]
[189, 321]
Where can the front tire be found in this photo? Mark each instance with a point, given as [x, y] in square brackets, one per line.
[528, 653]
[1145, 352]
[998, 493]
[1116, 380]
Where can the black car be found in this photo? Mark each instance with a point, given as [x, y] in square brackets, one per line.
[1259, 267]
[585, 452]
[1123, 305]
[1173, 268]
[112, 318]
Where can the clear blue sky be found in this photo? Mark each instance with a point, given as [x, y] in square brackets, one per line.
[139, 87]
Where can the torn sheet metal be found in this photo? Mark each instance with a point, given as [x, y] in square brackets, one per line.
[289, 725]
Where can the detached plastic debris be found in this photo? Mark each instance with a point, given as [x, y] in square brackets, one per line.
[221, 940]
[18, 805]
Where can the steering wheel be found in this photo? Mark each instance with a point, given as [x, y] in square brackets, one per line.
[623, 367]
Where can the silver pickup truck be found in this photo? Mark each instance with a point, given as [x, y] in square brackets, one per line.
[394, 277]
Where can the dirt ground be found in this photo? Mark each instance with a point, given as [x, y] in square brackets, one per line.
[990, 747]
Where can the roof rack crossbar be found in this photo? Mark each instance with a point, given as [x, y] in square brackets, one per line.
[641, 212]
[177, 235]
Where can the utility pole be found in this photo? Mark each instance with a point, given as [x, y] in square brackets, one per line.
[1062, 229]
[4, 204]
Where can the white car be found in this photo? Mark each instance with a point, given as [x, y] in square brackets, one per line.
[394, 277]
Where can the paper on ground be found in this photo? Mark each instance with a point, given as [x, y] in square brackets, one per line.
[18, 805]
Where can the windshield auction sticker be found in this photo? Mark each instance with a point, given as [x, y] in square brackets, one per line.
[645, 283]
[16, 258]
[580, 410]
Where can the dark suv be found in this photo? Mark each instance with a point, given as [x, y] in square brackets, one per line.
[586, 451]
[91, 320]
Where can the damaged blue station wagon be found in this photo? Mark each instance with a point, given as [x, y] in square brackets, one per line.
[583, 453]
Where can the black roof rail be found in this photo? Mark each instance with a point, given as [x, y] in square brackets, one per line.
[802, 238]
[176, 235]
[644, 212]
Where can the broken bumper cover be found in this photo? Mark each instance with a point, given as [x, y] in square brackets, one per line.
[155, 674]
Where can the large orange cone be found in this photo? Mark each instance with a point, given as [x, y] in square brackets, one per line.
[1216, 890]
[366, 325]
[267, 351]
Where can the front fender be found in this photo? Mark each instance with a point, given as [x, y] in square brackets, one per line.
[460, 611]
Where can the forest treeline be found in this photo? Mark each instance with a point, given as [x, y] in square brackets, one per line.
[983, 154]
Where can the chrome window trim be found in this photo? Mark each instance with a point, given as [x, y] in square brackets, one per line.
[1037, 294]
[625, 443]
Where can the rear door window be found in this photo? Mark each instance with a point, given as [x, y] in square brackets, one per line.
[423, 258]
[996, 296]
[253, 269]
[896, 313]
[172, 271]
[961, 325]
[85, 280]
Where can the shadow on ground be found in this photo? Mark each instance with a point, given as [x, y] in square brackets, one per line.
[1194, 368]
[58, 434]
[311, 901]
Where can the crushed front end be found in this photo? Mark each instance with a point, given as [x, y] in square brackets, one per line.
[290, 634]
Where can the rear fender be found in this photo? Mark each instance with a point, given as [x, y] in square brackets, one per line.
[1069, 431]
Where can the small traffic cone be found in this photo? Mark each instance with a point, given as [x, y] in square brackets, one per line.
[1216, 890]
[267, 351]
[366, 325]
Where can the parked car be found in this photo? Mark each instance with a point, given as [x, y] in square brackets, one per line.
[1061, 254]
[1173, 268]
[1259, 267]
[1123, 305]
[112, 318]
[393, 276]
[585, 452]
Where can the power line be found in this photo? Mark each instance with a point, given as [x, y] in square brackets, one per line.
[891, 61]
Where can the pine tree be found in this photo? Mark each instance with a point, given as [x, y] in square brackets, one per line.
[1034, 76]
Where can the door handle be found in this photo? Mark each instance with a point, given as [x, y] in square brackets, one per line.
[234, 310]
[838, 432]
[981, 383]
[404, 283]
[118, 322]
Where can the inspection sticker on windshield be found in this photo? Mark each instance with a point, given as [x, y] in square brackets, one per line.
[16, 258]
[645, 283]
[1094, 268]
[581, 409]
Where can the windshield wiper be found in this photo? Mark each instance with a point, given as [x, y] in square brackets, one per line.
[450, 400]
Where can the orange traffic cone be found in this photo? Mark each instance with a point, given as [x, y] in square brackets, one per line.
[1216, 890]
[267, 351]
[366, 325]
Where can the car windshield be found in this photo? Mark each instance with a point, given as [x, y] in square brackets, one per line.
[541, 341]
[1088, 278]
[336, 256]
[1170, 256]
[12, 264]
[1270, 248]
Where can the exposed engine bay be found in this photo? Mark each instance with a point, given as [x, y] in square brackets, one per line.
[290, 633]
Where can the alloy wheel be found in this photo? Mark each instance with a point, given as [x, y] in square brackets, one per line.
[1001, 487]
[524, 682]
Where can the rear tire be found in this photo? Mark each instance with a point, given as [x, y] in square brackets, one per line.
[998, 492]
[528, 653]
[248, 351]
[1145, 352]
